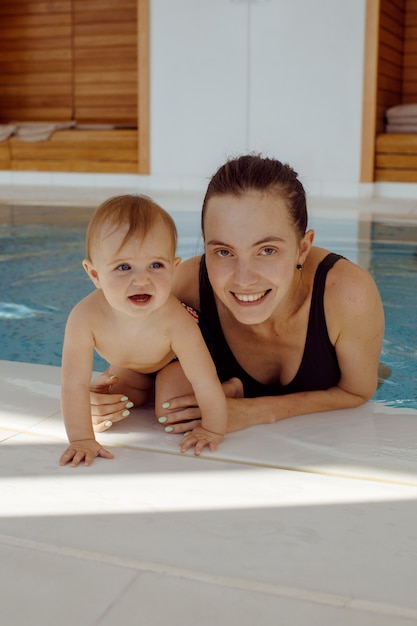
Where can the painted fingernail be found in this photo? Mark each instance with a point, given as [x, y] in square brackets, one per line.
[108, 424]
[165, 405]
[162, 420]
[125, 413]
[129, 405]
[124, 398]
[168, 429]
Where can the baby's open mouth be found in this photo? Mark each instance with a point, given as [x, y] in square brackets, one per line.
[251, 297]
[140, 298]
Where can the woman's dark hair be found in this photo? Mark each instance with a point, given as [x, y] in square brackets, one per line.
[255, 173]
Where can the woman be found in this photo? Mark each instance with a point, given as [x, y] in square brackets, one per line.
[292, 328]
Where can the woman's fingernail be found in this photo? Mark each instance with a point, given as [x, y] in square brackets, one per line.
[125, 413]
[165, 405]
[124, 398]
[168, 429]
[129, 405]
[108, 424]
[162, 420]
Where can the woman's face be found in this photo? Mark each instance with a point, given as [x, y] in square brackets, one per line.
[252, 250]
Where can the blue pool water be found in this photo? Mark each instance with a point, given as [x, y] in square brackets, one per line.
[41, 279]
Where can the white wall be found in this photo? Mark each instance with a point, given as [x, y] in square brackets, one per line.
[281, 77]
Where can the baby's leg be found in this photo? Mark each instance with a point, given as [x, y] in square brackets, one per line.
[171, 382]
[136, 386]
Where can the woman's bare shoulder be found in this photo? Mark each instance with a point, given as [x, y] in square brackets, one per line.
[186, 282]
[350, 287]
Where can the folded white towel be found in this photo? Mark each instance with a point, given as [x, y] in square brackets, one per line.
[40, 131]
[6, 130]
[401, 128]
[400, 111]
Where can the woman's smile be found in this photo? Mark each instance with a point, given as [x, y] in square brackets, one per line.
[250, 298]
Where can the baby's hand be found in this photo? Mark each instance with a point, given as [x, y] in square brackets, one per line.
[84, 450]
[200, 437]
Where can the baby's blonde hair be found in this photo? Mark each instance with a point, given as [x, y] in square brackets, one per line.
[139, 212]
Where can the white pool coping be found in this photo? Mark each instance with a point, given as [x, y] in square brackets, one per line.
[307, 521]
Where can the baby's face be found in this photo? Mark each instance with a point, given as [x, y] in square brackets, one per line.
[136, 277]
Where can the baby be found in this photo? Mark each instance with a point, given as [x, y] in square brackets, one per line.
[134, 322]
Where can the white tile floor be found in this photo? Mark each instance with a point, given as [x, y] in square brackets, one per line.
[310, 521]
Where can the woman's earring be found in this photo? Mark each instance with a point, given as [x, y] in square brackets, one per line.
[299, 266]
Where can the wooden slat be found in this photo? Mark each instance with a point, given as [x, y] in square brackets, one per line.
[128, 12]
[397, 161]
[387, 83]
[369, 119]
[28, 7]
[113, 167]
[5, 163]
[78, 151]
[143, 86]
[106, 5]
[121, 117]
[387, 55]
[396, 176]
[120, 75]
[396, 143]
[55, 78]
[37, 114]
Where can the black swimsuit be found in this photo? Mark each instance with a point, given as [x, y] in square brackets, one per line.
[319, 368]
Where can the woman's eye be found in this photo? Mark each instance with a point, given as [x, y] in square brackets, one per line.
[222, 253]
[123, 267]
[268, 251]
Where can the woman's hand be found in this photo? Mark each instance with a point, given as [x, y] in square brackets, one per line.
[106, 407]
[183, 414]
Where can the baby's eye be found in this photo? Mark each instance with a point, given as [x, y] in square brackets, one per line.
[268, 251]
[123, 267]
[156, 265]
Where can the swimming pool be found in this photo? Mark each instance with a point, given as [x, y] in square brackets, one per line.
[42, 278]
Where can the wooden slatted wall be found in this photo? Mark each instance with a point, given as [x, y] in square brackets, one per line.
[409, 87]
[396, 158]
[390, 58]
[396, 154]
[35, 60]
[63, 60]
[105, 61]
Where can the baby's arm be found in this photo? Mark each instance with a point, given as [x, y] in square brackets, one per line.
[199, 368]
[77, 357]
